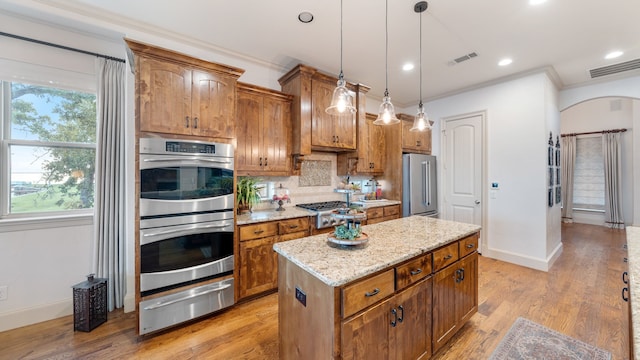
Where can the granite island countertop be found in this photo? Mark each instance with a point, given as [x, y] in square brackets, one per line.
[390, 243]
[633, 259]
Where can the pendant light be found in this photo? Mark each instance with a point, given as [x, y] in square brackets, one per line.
[421, 122]
[386, 113]
[341, 101]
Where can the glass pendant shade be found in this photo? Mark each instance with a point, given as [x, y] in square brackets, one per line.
[341, 101]
[421, 122]
[386, 113]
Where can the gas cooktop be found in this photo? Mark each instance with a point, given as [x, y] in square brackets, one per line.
[323, 206]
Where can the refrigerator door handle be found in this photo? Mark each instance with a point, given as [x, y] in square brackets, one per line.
[426, 185]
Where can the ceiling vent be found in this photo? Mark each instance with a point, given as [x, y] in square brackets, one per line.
[615, 68]
[463, 58]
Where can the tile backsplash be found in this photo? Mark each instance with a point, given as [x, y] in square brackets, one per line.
[316, 183]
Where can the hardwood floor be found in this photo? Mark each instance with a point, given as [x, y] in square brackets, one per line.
[580, 296]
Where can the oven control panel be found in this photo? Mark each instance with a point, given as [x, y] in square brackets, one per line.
[190, 147]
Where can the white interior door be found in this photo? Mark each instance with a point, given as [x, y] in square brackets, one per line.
[463, 140]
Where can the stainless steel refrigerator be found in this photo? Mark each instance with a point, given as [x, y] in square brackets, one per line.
[419, 188]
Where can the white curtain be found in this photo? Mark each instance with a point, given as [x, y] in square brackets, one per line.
[568, 149]
[109, 235]
[611, 149]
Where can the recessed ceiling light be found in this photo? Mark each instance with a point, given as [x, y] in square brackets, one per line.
[305, 17]
[505, 62]
[613, 55]
[407, 67]
[536, 2]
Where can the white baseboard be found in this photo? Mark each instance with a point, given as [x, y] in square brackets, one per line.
[523, 260]
[29, 316]
[34, 315]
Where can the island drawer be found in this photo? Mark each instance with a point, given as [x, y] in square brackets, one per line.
[256, 231]
[361, 294]
[468, 245]
[445, 256]
[413, 271]
[293, 225]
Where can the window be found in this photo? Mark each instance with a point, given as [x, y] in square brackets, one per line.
[588, 175]
[48, 149]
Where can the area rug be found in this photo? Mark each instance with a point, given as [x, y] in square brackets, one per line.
[528, 340]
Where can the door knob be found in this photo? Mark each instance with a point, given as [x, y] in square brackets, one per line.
[477, 202]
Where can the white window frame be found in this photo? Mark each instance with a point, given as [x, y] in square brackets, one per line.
[63, 70]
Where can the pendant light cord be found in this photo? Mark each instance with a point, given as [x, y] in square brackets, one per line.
[420, 59]
[341, 76]
[386, 49]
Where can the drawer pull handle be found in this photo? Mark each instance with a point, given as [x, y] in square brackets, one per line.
[186, 124]
[258, 231]
[293, 226]
[469, 246]
[625, 277]
[401, 317]
[448, 257]
[416, 272]
[395, 317]
[625, 290]
[373, 293]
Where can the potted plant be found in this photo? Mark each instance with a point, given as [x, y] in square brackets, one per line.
[248, 194]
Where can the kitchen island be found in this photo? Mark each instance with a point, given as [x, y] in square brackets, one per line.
[403, 295]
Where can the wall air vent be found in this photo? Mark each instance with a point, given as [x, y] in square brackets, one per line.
[463, 58]
[615, 68]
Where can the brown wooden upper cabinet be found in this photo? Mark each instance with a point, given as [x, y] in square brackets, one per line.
[313, 128]
[417, 141]
[263, 129]
[181, 95]
[370, 157]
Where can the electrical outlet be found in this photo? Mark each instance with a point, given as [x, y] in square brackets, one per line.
[301, 296]
[4, 292]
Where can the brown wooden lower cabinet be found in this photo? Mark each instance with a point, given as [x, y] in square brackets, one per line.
[383, 213]
[407, 311]
[455, 298]
[257, 262]
[397, 328]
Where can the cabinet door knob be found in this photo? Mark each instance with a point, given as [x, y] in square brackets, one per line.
[625, 277]
[418, 143]
[260, 161]
[401, 317]
[625, 290]
[265, 162]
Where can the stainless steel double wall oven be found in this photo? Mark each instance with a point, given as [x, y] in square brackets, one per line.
[186, 230]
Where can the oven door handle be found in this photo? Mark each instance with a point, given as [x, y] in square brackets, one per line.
[167, 303]
[188, 159]
[182, 230]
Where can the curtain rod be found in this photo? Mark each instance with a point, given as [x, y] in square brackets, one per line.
[60, 46]
[596, 132]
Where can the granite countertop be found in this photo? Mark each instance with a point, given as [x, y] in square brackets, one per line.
[375, 203]
[271, 214]
[633, 258]
[294, 212]
[390, 243]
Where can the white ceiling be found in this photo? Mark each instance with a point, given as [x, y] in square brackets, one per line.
[568, 37]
